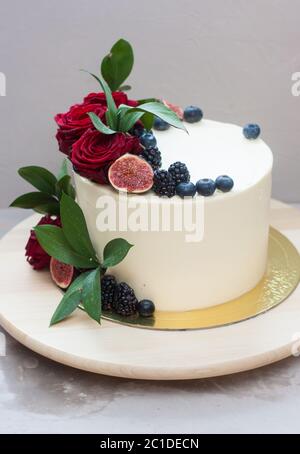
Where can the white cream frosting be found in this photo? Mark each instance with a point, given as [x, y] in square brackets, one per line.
[212, 148]
[231, 257]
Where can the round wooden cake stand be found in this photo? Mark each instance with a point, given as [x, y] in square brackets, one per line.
[29, 298]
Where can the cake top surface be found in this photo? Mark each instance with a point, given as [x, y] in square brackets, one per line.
[213, 148]
[210, 149]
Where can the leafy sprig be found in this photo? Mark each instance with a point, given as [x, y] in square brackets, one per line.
[115, 68]
[123, 118]
[71, 244]
[49, 189]
[117, 65]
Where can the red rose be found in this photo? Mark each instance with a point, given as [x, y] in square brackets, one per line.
[119, 97]
[94, 152]
[75, 122]
[35, 254]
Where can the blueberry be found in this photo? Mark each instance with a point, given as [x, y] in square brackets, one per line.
[206, 187]
[148, 140]
[138, 130]
[251, 131]
[224, 183]
[186, 189]
[160, 124]
[192, 114]
[146, 308]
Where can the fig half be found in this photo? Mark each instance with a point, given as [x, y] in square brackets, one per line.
[131, 173]
[61, 273]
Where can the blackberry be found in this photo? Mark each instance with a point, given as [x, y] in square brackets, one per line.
[153, 157]
[125, 302]
[179, 172]
[108, 288]
[163, 183]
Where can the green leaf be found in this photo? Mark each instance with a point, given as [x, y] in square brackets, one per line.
[63, 171]
[111, 105]
[99, 125]
[163, 112]
[127, 119]
[40, 178]
[146, 100]
[117, 65]
[147, 120]
[75, 228]
[64, 185]
[109, 98]
[54, 242]
[124, 121]
[70, 300]
[51, 208]
[123, 109]
[67, 305]
[91, 295]
[115, 251]
[111, 119]
[38, 201]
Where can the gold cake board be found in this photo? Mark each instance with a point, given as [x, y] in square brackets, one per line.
[29, 298]
[280, 280]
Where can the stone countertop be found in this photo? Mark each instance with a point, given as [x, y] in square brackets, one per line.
[41, 396]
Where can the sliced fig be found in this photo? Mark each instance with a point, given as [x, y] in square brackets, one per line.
[61, 273]
[131, 173]
[178, 110]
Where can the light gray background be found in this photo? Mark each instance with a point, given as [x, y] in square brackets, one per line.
[234, 58]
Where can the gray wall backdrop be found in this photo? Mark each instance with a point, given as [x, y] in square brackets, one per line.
[234, 58]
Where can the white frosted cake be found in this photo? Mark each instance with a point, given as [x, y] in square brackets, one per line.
[230, 257]
[170, 212]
